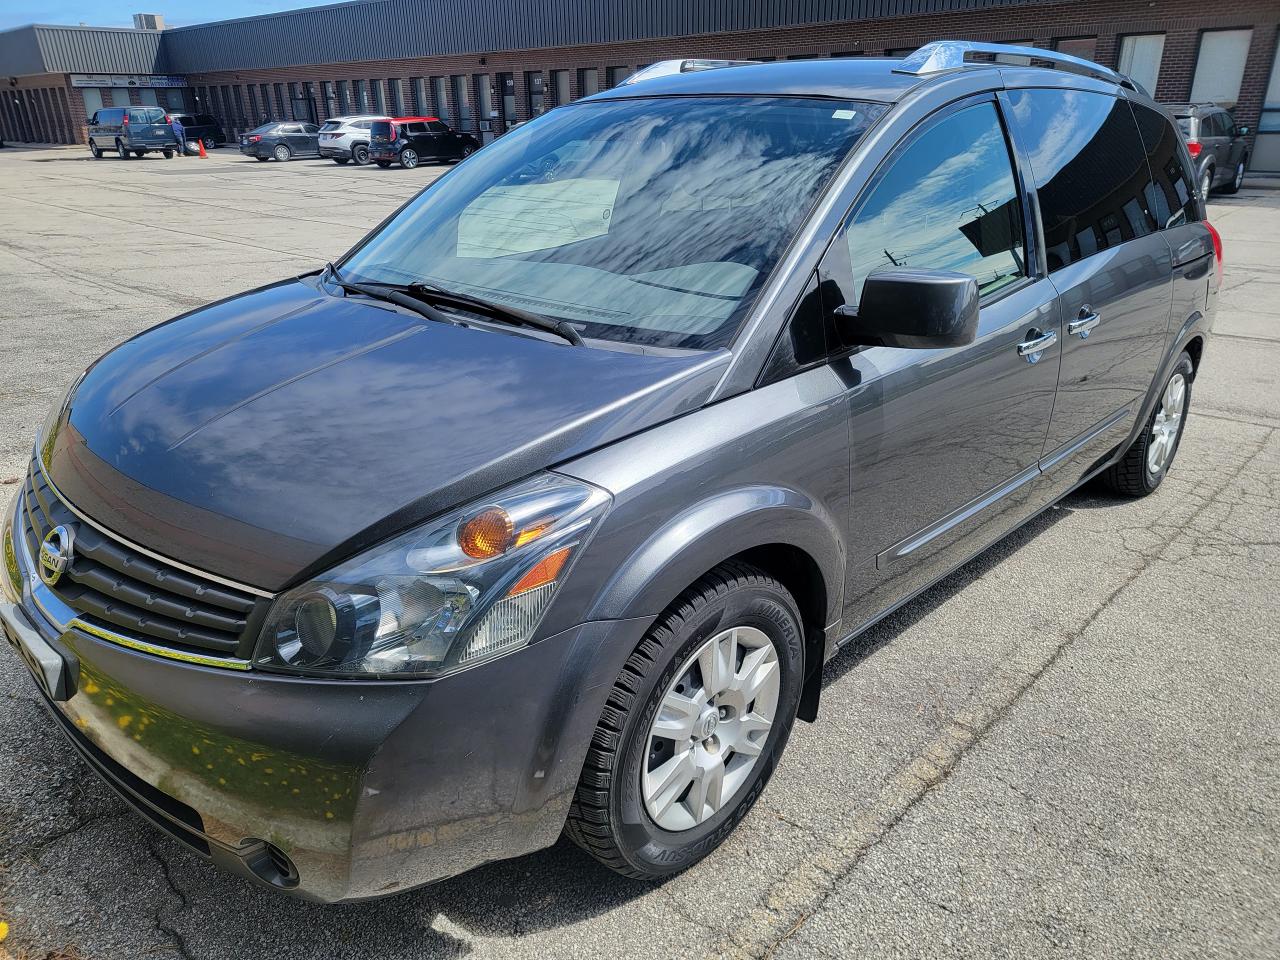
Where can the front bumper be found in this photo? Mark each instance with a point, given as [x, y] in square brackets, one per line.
[368, 787]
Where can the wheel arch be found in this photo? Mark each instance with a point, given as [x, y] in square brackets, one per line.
[783, 533]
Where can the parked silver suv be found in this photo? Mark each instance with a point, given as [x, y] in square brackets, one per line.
[347, 138]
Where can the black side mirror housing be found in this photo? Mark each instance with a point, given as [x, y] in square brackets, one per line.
[915, 309]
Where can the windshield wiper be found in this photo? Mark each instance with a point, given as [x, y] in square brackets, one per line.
[391, 295]
[495, 311]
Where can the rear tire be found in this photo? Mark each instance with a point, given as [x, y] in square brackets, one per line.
[408, 158]
[168, 154]
[139, 154]
[1144, 465]
[360, 154]
[262, 159]
[1206, 182]
[383, 163]
[661, 725]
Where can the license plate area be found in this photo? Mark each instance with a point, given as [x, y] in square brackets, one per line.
[54, 667]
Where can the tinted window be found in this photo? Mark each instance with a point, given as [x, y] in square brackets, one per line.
[1184, 124]
[435, 126]
[661, 229]
[310, 128]
[1172, 191]
[362, 124]
[947, 202]
[415, 128]
[331, 125]
[1090, 171]
[382, 130]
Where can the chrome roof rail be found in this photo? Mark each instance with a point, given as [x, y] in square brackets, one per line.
[952, 54]
[667, 68]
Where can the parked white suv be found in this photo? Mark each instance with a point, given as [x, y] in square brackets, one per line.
[347, 138]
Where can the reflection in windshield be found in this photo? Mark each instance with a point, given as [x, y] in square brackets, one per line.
[651, 220]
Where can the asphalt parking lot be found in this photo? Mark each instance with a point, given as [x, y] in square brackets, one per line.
[1068, 748]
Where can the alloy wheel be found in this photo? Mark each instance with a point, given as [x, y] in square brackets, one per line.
[1239, 178]
[1167, 423]
[710, 728]
[282, 152]
[1206, 184]
[408, 158]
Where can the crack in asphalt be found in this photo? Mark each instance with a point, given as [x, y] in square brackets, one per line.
[162, 926]
[791, 902]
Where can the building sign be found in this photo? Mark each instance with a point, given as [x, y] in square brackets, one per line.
[125, 80]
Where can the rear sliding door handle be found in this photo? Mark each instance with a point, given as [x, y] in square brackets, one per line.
[1086, 322]
[1037, 344]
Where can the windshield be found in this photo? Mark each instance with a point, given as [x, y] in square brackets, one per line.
[654, 220]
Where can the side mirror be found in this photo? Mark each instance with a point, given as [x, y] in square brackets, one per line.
[1242, 131]
[88, 121]
[916, 309]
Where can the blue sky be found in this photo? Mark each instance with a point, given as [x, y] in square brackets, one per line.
[119, 13]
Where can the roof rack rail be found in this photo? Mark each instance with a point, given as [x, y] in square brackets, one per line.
[667, 68]
[951, 54]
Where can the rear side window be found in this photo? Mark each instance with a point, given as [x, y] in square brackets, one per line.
[146, 115]
[947, 202]
[1173, 195]
[1090, 171]
[415, 128]
[435, 126]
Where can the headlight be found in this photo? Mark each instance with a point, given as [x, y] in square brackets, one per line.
[462, 589]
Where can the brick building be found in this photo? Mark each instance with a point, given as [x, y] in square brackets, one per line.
[485, 64]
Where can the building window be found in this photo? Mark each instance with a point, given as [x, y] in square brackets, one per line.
[507, 91]
[421, 105]
[1082, 47]
[395, 93]
[330, 95]
[377, 97]
[360, 91]
[92, 101]
[559, 87]
[537, 96]
[253, 102]
[441, 95]
[281, 113]
[1220, 66]
[461, 102]
[588, 81]
[615, 75]
[1140, 56]
[239, 102]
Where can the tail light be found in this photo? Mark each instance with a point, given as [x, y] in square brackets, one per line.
[1194, 147]
[1217, 248]
[255, 138]
[125, 121]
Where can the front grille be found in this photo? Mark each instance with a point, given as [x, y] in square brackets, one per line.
[111, 584]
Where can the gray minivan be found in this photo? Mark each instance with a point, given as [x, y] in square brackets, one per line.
[542, 509]
[131, 132]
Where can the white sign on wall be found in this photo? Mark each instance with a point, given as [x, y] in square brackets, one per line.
[125, 80]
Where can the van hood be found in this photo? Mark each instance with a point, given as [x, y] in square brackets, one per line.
[268, 436]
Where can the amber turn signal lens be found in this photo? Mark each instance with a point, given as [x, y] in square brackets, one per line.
[487, 534]
[543, 572]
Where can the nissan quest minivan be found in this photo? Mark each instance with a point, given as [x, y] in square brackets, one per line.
[541, 510]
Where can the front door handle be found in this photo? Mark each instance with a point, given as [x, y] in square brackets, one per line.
[1084, 323]
[1036, 345]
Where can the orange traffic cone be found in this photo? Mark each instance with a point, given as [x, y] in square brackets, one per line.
[203, 155]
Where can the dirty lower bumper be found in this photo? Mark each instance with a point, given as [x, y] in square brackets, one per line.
[366, 787]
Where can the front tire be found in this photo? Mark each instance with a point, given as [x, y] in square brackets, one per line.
[693, 727]
[282, 152]
[1145, 463]
[1237, 179]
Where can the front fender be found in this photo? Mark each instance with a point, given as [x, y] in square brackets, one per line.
[697, 539]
